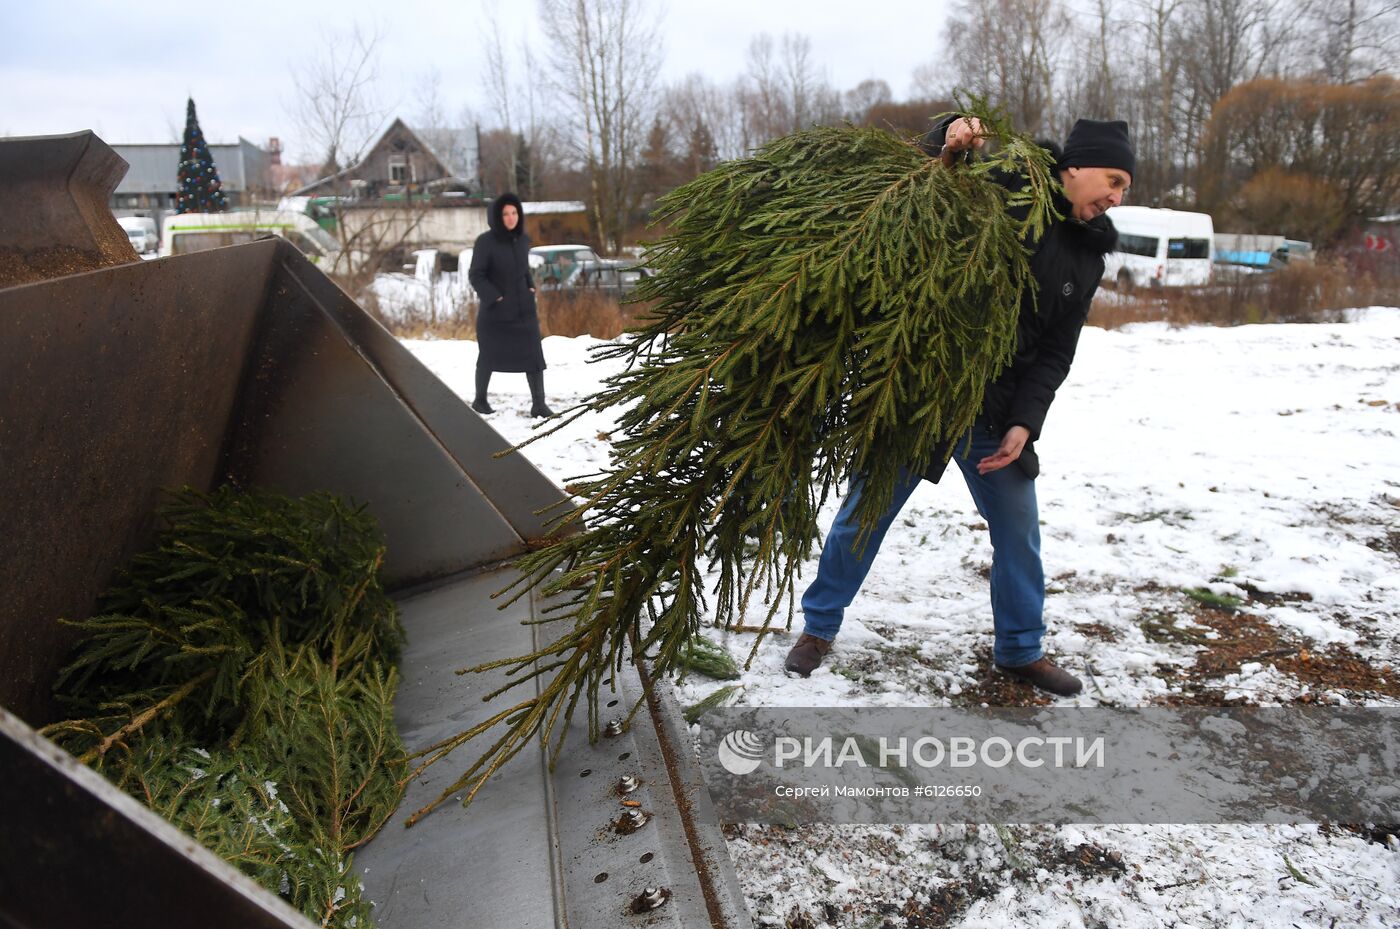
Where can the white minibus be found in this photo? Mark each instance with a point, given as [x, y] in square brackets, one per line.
[195, 232]
[1160, 248]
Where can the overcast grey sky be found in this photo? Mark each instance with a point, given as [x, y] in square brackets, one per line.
[125, 69]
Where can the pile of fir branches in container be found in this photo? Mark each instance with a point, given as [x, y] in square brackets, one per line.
[239, 678]
[833, 305]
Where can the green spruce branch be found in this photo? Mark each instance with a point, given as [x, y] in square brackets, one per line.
[832, 306]
[239, 680]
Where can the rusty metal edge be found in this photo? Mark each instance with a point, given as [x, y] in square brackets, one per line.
[77, 169]
[180, 857]
[709, 851]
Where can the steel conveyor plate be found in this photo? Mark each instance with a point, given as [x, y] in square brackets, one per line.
[541, 849]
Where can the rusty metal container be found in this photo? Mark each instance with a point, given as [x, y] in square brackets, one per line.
[247, 364]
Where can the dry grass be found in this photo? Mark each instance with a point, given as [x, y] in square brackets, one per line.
[584, 312]
[446, 322]
[443, 329]
[1302, 293]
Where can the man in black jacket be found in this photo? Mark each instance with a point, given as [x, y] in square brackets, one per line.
[997, 457]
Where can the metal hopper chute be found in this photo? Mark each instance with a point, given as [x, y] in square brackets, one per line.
[247, 364]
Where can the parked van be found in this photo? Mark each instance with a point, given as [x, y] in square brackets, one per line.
[141, 230]
[1160, 248]
[196, 232]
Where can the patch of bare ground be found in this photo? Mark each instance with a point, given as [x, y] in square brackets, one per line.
[946, 903]
[1243, 638]
[1387, 834]
[1031, 853]
[1096, 631]
[996, 689]
[922, 673]
[867, 669]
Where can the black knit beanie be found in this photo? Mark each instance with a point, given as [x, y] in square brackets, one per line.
[1096, 144]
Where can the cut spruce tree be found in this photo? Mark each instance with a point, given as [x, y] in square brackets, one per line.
[833, 305]
[238, 679]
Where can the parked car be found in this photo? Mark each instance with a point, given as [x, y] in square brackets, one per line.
[197, 232]
[552, 265]
[609, 275]
[141, 230]
[1160, 248]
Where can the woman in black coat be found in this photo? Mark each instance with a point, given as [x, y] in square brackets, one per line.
[507, 325]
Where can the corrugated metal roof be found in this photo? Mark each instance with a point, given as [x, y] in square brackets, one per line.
[455, 148]
[536, 207]
[155, 168]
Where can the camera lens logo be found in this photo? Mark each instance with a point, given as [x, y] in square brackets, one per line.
[741, 752]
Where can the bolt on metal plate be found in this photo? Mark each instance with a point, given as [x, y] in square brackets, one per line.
[651, 898]
[631, 821]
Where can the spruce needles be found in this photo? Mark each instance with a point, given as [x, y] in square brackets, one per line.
[239, 680]
[833, 305]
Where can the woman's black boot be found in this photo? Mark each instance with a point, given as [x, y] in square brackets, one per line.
[537, 406]
[483, 380]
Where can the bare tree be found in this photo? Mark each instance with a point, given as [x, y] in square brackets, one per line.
[336, 105]
[1163, 65]
[931, 80]
[1009, 51]
[336, 108]
[800, 77]
[431, 112]
[1230, 42]
[1091, 86]
[860, 99]
[766, 111]
[501, 91]
[693, 107]
[1354, 40]
[512, 88]
[783, 90]
[1152, 89]
[605, 66]
[452, 140]
[695, 101]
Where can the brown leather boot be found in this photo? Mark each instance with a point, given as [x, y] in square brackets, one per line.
[807, 654]
[1043, 673]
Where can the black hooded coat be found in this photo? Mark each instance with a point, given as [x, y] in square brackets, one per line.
[507, 324]
[1067, 262]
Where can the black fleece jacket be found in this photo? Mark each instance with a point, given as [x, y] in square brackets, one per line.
[1067, 264]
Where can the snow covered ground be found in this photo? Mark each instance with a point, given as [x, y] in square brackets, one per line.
[402, 297]
[1259, 463]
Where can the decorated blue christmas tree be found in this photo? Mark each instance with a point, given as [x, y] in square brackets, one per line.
[200, 188]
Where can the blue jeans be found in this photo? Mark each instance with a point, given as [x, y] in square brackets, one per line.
[1006, 500]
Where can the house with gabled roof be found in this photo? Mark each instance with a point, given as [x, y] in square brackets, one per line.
[402, 163]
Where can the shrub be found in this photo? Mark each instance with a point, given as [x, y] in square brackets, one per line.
[1316, 292]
